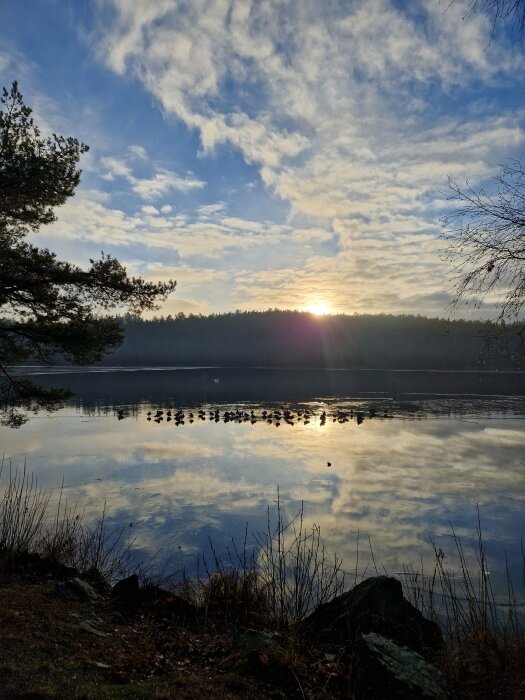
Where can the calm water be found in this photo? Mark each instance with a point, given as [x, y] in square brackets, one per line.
[397, 456]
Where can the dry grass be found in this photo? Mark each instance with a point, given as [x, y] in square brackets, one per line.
[23, 508]
[276, 577]
[296, 566]
[88, 548]
[25, 527]
[484, 654]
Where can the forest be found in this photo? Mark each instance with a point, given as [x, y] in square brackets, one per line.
[277, 338]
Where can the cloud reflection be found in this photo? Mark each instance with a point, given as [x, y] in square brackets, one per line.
[396, 481]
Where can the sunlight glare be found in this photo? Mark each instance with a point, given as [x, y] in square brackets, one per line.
[319, 309]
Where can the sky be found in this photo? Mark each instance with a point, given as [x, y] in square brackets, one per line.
[270, 153]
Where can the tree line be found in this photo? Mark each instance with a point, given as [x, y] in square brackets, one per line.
[276, 338]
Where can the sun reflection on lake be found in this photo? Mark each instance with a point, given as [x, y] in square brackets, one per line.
[396, 472]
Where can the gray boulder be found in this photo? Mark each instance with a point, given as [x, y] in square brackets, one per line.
[375, 605]
[76, 589]
[381, 669]
[250, 641]
[262, 653]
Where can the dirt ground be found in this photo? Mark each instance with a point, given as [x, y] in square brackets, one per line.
[51, 647]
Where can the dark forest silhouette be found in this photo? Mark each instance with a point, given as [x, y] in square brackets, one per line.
[297, 339]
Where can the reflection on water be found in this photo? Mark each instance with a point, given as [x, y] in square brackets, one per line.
[273, 415]
[396, 465]
[201, 385]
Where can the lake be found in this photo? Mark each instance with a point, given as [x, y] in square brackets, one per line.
[397, 457]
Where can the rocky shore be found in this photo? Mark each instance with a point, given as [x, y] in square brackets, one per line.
[66, 634]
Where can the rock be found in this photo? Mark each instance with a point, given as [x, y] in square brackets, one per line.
[88, 627]
[128, 597]
[380, 669]
[250, 640]
[375, 605]
[31, 564]
[89, 663]
[166, 603]
[127, 590]
[76, 589]
[97, 580]
[261, 648]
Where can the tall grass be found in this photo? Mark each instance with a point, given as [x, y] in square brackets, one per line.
[67, 539]
[484, 655]
[295, 564]
[277, 576]
[23, 508]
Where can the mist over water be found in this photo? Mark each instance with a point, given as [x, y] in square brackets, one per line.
[188, 455]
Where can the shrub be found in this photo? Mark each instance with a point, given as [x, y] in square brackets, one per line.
[282, 576]
[23, 507]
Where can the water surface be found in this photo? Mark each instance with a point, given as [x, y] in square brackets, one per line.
[394, 456]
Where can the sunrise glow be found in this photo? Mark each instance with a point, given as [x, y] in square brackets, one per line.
[319, 309]
[231, 151]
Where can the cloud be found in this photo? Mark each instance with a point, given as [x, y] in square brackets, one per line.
[237, 223]
[5, 61]
[350, 116]
[332, 103]
[116, 167]
[90, 219]
[163, 182]
[227, 262]
[138, 152]
[209, 210]
[149, 189]
[149, 210]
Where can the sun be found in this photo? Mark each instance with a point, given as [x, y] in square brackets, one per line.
[318, 309]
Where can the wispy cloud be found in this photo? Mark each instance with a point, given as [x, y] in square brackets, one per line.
[349, 89]
[320, 137]
[148, 188]
[163, 182]
[116, 167]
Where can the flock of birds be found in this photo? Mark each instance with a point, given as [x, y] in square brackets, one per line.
[274, 416]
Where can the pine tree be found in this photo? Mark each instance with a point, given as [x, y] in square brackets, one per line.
[50, 307]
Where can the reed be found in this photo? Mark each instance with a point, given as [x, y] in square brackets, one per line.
[23, 508]
[25, 527]
[279, 575]
[484, 655]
